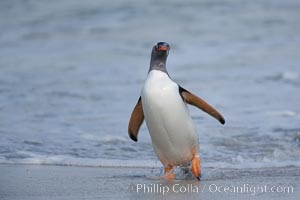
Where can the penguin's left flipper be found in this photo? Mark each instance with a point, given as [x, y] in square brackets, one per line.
[194, 100]
[136, 120]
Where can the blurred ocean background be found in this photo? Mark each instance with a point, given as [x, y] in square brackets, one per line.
[71, 73]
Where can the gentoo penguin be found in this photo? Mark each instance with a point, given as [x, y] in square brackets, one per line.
[163, 105]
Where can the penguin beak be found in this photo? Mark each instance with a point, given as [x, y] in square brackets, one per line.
[162, 48]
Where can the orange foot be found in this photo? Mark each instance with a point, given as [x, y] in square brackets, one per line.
[169, 173]
[196, 167]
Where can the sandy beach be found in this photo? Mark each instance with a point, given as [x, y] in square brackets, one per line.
[29, 182]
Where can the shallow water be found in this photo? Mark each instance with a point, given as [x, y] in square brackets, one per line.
[71, 73]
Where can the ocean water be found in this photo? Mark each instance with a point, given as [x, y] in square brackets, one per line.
[71, 73]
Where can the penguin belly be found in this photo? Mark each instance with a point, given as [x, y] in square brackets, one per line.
[167, 117]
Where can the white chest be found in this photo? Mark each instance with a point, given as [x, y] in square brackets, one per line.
[171, 127]
[159, 88]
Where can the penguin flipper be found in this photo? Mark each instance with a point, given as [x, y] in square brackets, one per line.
[194, 100]
[136, 120]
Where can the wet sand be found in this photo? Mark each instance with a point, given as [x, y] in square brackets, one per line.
[70, 182]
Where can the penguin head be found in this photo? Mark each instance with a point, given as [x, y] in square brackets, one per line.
[162, 46]
[159, 56]
[161, 50]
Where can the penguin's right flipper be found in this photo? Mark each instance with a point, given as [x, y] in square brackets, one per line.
[194, 100]
[136, 120]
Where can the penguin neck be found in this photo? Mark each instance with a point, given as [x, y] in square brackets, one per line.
[158, 64]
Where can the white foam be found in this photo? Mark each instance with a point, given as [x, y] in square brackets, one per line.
[106, 138]
[290, 76]
[282, 113]
[277, 159]
[84, 162]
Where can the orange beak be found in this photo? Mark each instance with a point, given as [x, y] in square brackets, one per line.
[162, 48]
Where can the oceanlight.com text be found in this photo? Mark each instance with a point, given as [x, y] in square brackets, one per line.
[251, 189]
